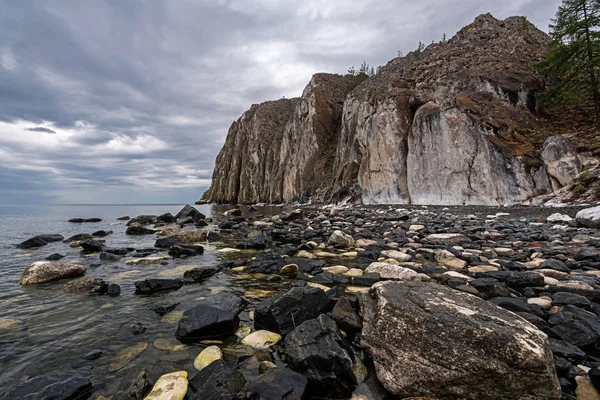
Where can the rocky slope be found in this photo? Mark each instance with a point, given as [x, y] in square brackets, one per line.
[455, 123]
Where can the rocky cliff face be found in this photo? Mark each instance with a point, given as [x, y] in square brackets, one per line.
[454, 123]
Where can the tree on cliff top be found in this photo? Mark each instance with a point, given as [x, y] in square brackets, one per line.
[573, 62]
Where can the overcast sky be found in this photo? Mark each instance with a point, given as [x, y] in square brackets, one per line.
[129, 101]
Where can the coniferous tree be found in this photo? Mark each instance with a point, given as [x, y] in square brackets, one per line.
[574, 59]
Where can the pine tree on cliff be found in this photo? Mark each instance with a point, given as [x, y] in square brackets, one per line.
[574, 59]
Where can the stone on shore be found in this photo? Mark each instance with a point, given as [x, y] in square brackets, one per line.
[429, 340]
[341, 240]
[389, 271]
[589, 217]
[46, 271]
[172, 386]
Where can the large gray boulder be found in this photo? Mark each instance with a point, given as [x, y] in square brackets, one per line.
[589, 217]
[562, 161]
[46, 271]
[430, 340]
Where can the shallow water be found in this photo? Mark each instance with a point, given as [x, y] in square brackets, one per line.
[56, 329]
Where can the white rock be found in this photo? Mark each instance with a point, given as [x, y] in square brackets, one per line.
[340, 239]
[457, 238]
[544, 302]
[388, 271]
[589, 217]
[396, 255]
[448, 259]
[558, 217]
[261, 340]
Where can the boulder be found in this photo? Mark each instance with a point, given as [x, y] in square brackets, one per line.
[317, 350]
[142, 220]
[166, 242]
[276, 384]
[341, 240]
[562, 161]
[589, 217]
[150, 286]
[46, 271]
[91, 246]
[39, 241]
[166, 218]
[192, 212]
[214, 317]
[429, 340]
[282, 312]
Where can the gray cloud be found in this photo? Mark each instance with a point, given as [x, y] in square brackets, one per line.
[139, 95]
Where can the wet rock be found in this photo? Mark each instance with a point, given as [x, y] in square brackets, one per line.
[185, 250]
[68, 385]
[414, 330]
[207, 357]
[200, 274]
[86, 286]
[214, 317]
[150, 286]
[137, 328]
[276, 384]
[54, 257]
[39, 241]
[192, 212]
[140, 386]
[317, 350]
[283, 312]
[340, 240]
[84, 220]
[217, 381]
[257, 243]
[172, 386]
[166, 242]
[101, 233]
[46, 271]
[139, 230]
[91, 246]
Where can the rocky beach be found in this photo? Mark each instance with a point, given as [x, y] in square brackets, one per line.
[362, 302]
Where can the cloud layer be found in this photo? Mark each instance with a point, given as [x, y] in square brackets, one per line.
[129, 101]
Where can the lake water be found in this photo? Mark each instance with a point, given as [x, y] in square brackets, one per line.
[52, 330]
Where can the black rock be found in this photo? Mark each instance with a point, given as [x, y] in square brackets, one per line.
[370, 254]
[345, 314]
[101, 233]
[284, 311]
[91, 246]
[324, 278]
[104, 256]
[566, 350]
[113, 289]
[276, 384]
[167, 218]
[140, 386]
[142, 220]
[150, 286]
[83, 220]
[39, 241]
[79, 237]
[139, 230]
[214, 317]
[307, 266]
[317, 350]
[185, 250]
[518, 304]
[366, 279]
[54, 257]
[217, 381]
[594, 375]
[227, 224]
[200, 274]
[258, 243]
[119, 252]
[576, 332]
[555, 265]
[268, 264]
[567, 298]
[213, 236]
[166, 242]
[164, 309]
[520, 280]
[189, 211]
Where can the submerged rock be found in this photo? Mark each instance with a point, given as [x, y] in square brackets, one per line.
[86, 286]
[150, 286]
[140, 386]
[427, 339]
[46, 271]
[39, 241]
[127, 355]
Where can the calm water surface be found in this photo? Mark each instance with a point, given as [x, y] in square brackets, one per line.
[54, 330]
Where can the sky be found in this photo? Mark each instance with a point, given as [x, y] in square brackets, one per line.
[129, 101]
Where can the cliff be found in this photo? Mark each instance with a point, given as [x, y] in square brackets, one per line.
[454, 123]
